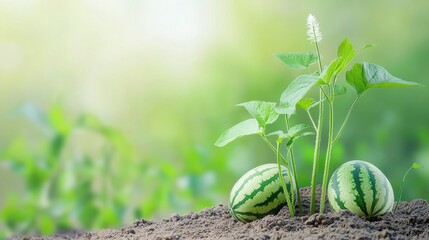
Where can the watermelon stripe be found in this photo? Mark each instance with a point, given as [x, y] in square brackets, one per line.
[256, 173]
[271, 198]
[359, 198]
[372, 180]
[233, 214]
[256, 191]
[386, 198]
[239, 218]
[247, 218]
[260, 215]
[337, 190]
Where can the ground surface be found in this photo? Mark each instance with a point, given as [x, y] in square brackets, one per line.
[411, 221]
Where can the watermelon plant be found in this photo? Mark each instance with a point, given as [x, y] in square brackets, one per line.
[361, 77]
[414, 166]
[259, 193]
[361, 188]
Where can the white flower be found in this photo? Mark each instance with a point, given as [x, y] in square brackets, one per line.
[313, 32]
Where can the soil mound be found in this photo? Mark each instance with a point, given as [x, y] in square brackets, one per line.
[411, 221]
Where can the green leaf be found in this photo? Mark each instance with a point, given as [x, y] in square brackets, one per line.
[416, 166]
[305, 103]
[277, 133]
[263, 112]
[298, 60]
[247, 127]
[293, 139]
[295, 92]
[293, 131]
[339, 90]
[280, 136]
[369, 45]
[345, 55]
[364, 75]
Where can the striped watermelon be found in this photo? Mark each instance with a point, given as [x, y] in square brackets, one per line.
[258, 193]
[362, 188]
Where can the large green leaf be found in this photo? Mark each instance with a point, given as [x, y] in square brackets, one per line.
[247, 127]
[345, 55]
[295, 92]
[298, 60]
[263, 112]
[364, 75]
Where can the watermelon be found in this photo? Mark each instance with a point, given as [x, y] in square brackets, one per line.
[361, 188]
[259, 193]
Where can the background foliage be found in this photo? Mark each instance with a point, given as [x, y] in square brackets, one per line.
[109, 109]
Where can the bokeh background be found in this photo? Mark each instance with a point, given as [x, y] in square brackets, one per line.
[109, 110]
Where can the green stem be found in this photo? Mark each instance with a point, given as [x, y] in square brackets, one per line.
[316, 156]
[346, 119]
[318, 52]
[282, 181]
[295, 176]
[271, 146]
[402, 188]
[328, 155]
[312, 120]
[326, 95]
[318, 138]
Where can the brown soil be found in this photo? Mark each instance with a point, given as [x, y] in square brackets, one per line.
[411, 221]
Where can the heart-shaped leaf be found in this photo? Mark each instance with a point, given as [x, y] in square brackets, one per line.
[345, 55]
[263, 112]
[364, 75]
[244, 128]
[296, 90]
[298, 60]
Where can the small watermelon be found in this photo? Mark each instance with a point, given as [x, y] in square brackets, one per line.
[258, 193]
[361, 188]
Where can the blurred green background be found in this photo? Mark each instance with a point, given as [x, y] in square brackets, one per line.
[109, 110]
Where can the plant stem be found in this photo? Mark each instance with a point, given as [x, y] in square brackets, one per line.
[318, 52]
[346, 119]
[295, 176]
[324, 93]
[273, 148]
[402, 188]
[328, 154]
[282, 181]
[318, 139]
[312, 120]
[316, 156]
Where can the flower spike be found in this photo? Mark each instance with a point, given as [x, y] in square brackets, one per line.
[313, 32]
